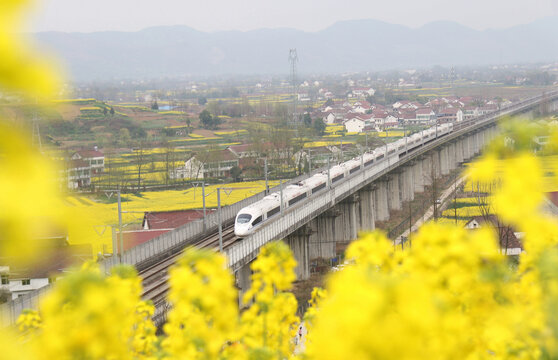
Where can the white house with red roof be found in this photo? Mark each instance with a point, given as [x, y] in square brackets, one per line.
[359, 123]
[425, 116]
[328, 117]
[363, 91]
[78, 174]
[450, 114]
[94, 158]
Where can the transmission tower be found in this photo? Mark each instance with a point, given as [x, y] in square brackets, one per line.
[293, 59]
[36, 140]
[452, 78]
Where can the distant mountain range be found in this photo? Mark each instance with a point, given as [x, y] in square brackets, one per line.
[355, 45]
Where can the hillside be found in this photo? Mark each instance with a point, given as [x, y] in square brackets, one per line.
[355, 45]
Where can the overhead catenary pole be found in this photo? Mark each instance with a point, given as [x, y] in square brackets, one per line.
[328, 172]
[266, 179]
[120, 235]
[203, 201]
[281, 196]
[219, 218]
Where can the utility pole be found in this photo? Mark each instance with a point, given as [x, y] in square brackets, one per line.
[219, 218]
[121, 236]
[203, 201]
[281, 196]
[328, 173]
[266, 181]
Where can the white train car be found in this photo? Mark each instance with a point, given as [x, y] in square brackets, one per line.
[254, 214]
[250, 217]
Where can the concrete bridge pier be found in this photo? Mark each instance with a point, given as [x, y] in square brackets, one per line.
[322, 239]
[466, 148]
[406, 183]
[476, 144]
[366, 209]
[452, 157]
[299, 242]
[426, 170]
[381, 201]
[394, 199]
[243, 281]
[444, 161]
[459, 152]
[418, 178]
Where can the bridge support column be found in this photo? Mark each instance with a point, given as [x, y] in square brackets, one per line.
[366, 207]
[426, 170]
[418, 179]
[436, 164]
[475, 143]
[243, 281]
[299, 244]
[348, 219]
[451, 156]
[459, 152]
[322, 240]
[444, 163]
[466, 148]
[394, 200]
[406, 184]
[381, 201]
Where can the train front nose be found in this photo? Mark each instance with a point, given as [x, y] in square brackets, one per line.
[242, 229]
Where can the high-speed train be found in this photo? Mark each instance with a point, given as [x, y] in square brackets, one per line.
[251, 217]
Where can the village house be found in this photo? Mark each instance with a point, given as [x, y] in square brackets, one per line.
[425, 116]
[470, 112]
[510, 240]
[94, 158]
[450, 114]
[360, 123]
[78, 174]
[363, 92]
[407, 116]
[216, 163]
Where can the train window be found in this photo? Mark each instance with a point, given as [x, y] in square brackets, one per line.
[297, 199]
[369, 162]
[273, 211]
[243, 218]
[353, 170]
[257, 221]
[380, 157]
[318, 188]
[337, 178]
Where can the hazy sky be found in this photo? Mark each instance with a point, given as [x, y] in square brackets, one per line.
[309, 15]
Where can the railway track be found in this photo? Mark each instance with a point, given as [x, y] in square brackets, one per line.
[155, 277]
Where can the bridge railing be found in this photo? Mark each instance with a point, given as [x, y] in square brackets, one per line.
[162, 246]
[294, 217]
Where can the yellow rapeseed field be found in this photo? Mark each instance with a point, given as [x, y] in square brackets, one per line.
[104, 215]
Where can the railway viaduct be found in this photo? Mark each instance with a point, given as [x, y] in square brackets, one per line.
[312, 227]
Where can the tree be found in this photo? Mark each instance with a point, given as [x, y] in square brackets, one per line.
[329, 102]
[154, 105]
[319, 127]
[206, 120]
[140, 159]
[307, 119]
[111, 110]
[202, 100]
[105, 111]
[235, 173]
